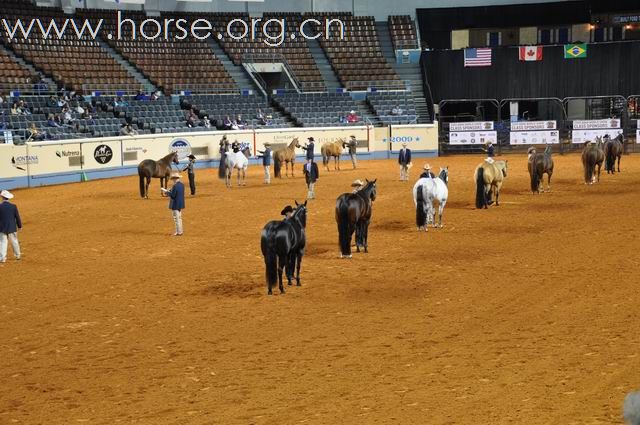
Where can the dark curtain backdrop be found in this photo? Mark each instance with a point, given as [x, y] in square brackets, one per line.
[608, 69]
[436, 24]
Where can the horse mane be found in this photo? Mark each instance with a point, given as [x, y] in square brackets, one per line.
[169, 157]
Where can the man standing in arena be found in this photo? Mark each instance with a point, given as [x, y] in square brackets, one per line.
[266, 162]
[490, 152]
[9, 224]
[309, 148]
[352, 144]
[176, 202]
[311, 176]
[404, 160]
[191, 173]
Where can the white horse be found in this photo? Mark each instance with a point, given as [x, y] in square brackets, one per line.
[236, 160]
[424, 192]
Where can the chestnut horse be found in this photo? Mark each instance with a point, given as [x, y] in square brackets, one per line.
[161, 169]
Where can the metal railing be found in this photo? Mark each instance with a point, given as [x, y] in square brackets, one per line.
[202, 88]
[386, 85]
[272, 58]
[106, 88]
[406, 44]
[28, 88]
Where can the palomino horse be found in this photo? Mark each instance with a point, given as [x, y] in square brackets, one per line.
[489, 176]
[286, 155]
[613, 149]
[235, 160]
[425, 191]
[161, 169]
[353, 213]
[539, 164]
[332, 149]
[282, 244]
[592, 157]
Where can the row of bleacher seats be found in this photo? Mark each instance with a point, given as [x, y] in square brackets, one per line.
[318, 108]
[384, 103]
[218, 107]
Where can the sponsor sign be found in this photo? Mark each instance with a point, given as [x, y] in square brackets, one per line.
[533, 125]
[470, 126]
[596, 124]
[473, 137]
[102, 154]
[534, 137]
[581, 136]
[21, 162]
[417, 137]
[182, 146]
[55, 158]
[66, 153]
[14, 161]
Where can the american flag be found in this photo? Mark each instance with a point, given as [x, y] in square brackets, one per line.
[477, 57]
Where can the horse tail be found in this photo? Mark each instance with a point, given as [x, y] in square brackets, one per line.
[325, 156]
[421, 216]
[141, 176]
[589, 167]
[535, 178]
[276, 167]
[222, 168]
[480, 195]
[270, 260]
[344, 234]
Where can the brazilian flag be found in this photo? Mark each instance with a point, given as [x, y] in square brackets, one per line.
[575, 51]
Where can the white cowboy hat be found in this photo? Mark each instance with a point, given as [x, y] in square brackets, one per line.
[175, 176]
[357, 183]
[352, 112]
[6, 194]
[426, 167]
[404, 144]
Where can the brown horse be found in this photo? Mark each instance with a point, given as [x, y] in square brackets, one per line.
[332, 149]
[353, 213]
[539, 164]
[592, 157]
[161, 169]
[613, 149]
[488, 176]
[286, 155]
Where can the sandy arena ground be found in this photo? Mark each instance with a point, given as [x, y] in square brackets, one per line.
[526, 313]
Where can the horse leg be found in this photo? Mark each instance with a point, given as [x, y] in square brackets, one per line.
[290, 267]
[299, 262]
[282, 262]
[146, 187]
[365, 236]
[498, 193]
[358, 236]
[487, 196]
[440, 212]
[619, 158]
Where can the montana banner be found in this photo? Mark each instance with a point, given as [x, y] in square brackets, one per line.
[575, 51]
[530, 53]
[477, 57]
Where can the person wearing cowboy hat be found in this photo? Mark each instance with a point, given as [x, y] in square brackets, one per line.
[176, 202]
[427, 172]
[287, 212]
[404, 160]
[490, 152]
[9, 224]
[266, 162]
[309, 148]
[357, 185]
[352, 144]
[311, 175]
[191, 174]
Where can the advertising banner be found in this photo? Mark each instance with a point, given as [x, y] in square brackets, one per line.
[54, 158]
[596, 124]
[471, 126]
[473, 137]
[102, 154]
[417, 137]
[533, 125]
[581, 136]
[534, 137]
[14, 161]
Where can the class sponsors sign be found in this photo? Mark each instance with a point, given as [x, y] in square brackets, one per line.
[588, 130]
[534, 132]
[472, 133]
[473, 137]
[417, 137]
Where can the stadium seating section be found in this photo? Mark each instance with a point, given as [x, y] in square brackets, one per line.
[318, 109]
[383, 104]
[403, 32]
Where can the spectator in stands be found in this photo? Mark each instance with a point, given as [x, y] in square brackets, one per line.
[397, 110]
[34, 134]
[52, 122]
[192, 118]
[141, 96]
[119, 102]
[24, 108]
[1, 99]
[343, 119]
[52, 102]
[226, 123]
[234, 125]
[262, 118]
[78, 108]
[67, 118]
[352, 145]
[128, 130]
[61, 102]
[240, 122]
[404, 160]
[15, 110]
[353, 117]
[266, 162]
[156, 95]
[206, 123]
[40, 85]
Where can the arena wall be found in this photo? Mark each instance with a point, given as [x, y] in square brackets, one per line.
[47, 163]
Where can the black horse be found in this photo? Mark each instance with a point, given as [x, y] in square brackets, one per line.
[353, 213]
[282, 244]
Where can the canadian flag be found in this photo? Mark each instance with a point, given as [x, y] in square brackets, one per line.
[531, 53]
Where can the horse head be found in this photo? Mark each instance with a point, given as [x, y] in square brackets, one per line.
[300, 213]
[295, 142]
[444, 175]
[370, 188]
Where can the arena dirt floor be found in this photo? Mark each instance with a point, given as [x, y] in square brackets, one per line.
[525, 313]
